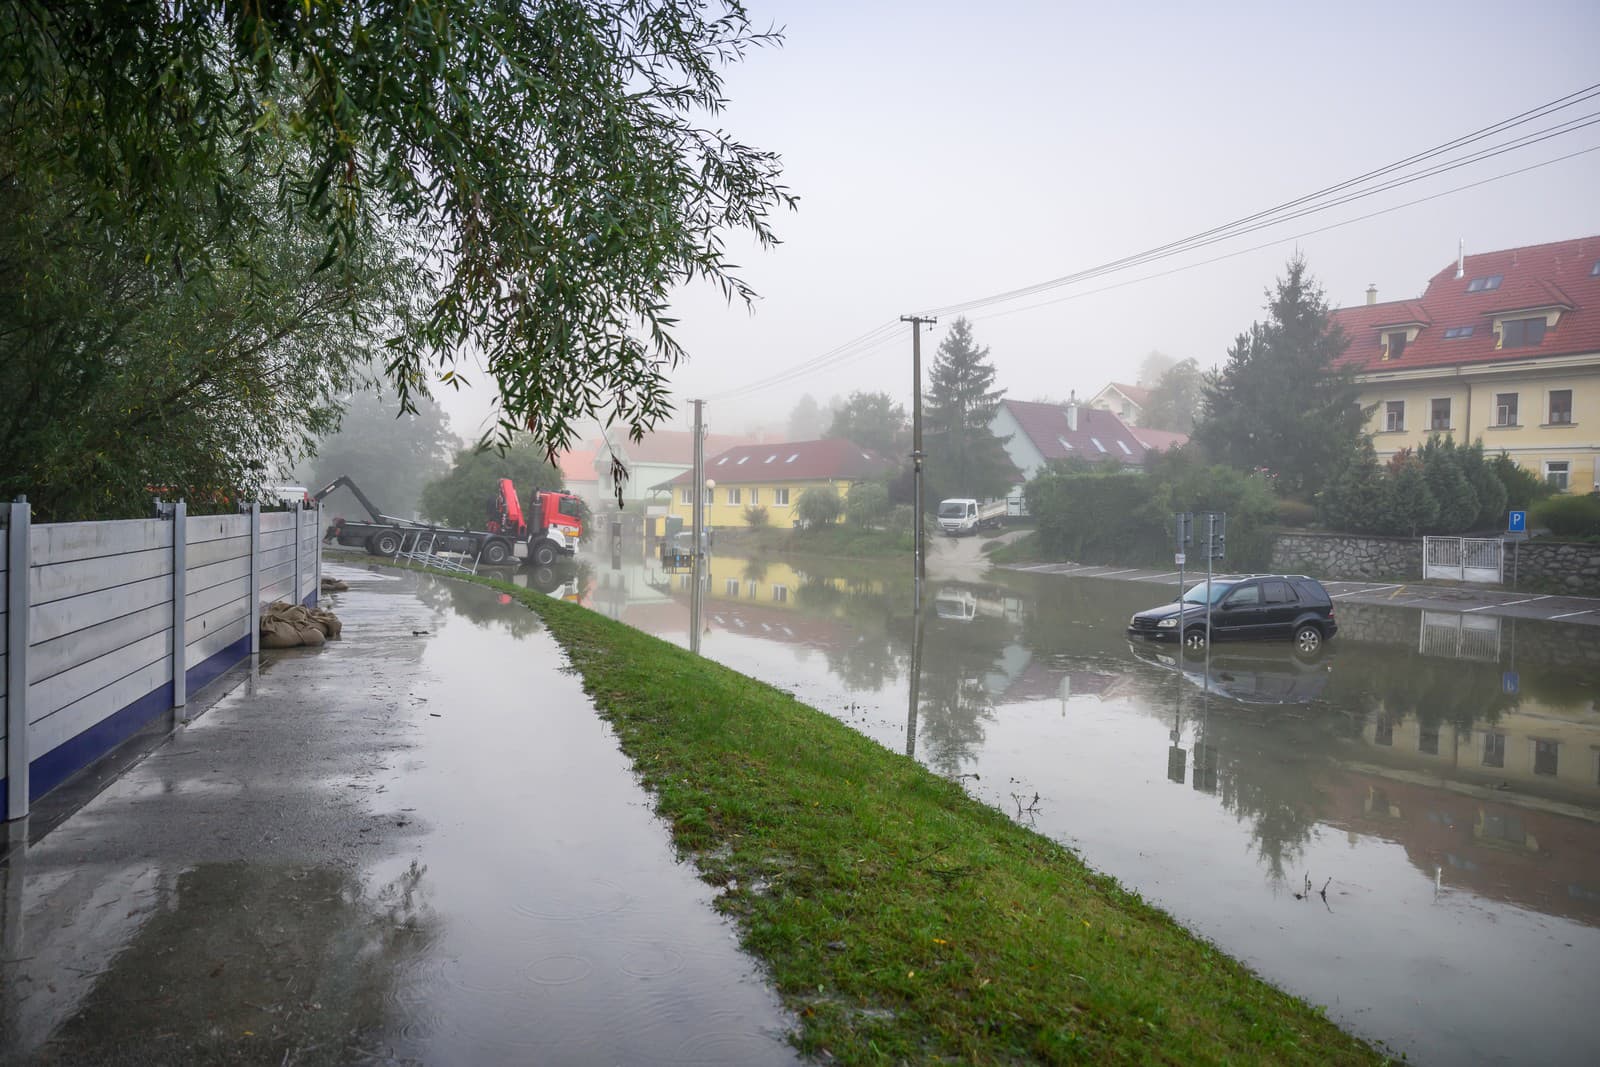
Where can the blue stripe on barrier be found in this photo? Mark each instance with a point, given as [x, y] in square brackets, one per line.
[70, 757]
[212, 667]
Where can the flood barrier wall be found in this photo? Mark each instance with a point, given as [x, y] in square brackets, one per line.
[107, 625]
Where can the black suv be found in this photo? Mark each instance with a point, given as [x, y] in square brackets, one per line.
[1259, 607]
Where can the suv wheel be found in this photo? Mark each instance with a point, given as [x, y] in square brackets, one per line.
[1307, 638]
[1194, 638]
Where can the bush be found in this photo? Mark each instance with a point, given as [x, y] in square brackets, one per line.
[868, 505]
[756, 517]
[1295, 513]
[819, 507]
[1524, 489]
[1569, 516]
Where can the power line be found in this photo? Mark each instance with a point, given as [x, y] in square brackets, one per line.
[1281, 240]
[1352, 190]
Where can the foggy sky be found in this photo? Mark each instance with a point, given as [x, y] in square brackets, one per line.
[947, 151]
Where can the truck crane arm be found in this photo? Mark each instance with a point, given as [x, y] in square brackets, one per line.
[344, 480]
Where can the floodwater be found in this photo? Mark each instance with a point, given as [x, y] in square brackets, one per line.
[416, 845]
[1405, 829]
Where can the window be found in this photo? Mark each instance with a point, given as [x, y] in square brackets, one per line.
[1521, 333]
[792, 458]
[780, 594]
[1126, 451]
[1097, 443]
[688, 495]
[733, 496]
[1066, 444]
[1483, 285]
[711, 497]
[1555, 474]
[722, 461]
[751, 589]
[1276, 593]
[1395, 344]
[1594, 271]
[1394, 416]
[1544, 756]
[1428, 738]
[1245, 597]
[1494, 750]
[1560, 407]
[770, 458]
[1440, 419]
[1457, 331]
[1505, 409]
[743, 460]
[780, 497]
[732, 585]
[755, 497]
[1383, 730]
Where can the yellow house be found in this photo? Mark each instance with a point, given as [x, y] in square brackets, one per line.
[1502, 346]
[773, 477]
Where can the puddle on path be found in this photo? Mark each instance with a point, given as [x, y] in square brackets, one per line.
[1437, 772]
[417, 845]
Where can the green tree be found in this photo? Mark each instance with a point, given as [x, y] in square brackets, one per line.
[819, 507]
[461, 496]
[807, 419]
[1175, 399]
[1485, 484]
[1154, 367]
[965, 458]
[1523, 488]
[1410, 499]
[1454, 495]
[1279, 402]
[1356, 498]
[391, 454]
[560, 164]
[873, 421]
[757, 517]
[120, 369]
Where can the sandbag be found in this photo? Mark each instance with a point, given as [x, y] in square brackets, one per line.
[327, 622]
[278, 634]
[311, 636]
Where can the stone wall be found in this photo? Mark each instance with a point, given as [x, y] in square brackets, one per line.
[1546, 566]
[1556, 566]
[1347, 556]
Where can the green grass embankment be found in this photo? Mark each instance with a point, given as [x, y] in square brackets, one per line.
[900, 919]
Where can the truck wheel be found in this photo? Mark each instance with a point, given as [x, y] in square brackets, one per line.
[544, 553]
[384, 544]
[495, 553]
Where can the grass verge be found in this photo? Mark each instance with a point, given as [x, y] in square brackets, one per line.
[900, 919]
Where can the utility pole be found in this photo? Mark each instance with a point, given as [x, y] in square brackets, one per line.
[917, 322]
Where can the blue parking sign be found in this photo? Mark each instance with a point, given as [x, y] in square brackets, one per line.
[1510, 682]
[1518, 522]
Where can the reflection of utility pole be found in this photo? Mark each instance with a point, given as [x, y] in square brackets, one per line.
[699, 518]
[1175, 754]
[917, 323]
[915, 680]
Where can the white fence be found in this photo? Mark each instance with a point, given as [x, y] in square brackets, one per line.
[92, 648]
[1464, 559]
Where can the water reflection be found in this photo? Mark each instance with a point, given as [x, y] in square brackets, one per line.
[1442, 769]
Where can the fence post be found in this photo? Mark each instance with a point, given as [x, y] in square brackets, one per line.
[255, 578]
[317, 529]
[180, 604]
[18, 526]
[296, 525]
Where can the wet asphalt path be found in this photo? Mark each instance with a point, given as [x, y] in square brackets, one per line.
[1547, 608]
[416, 845]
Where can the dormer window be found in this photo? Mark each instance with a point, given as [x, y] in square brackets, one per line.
[1394, 344]
[1484, 284]
[1522, 333]
[1594, 271]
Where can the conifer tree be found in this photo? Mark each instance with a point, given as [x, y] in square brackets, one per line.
[965, 458]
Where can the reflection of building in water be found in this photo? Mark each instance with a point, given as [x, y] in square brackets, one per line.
[770, 582]
[1532, 748]
[1502, 850]
[965, 603]
[1460, 636]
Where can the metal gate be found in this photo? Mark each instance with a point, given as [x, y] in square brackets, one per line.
[1460, 636]
[1464, 559]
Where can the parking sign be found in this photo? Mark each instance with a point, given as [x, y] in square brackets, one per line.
[1518, 522]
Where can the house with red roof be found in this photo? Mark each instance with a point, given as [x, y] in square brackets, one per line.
[774, 476]
[1501, 346]
[1127, 402]
[661, 456]
[1036, 433]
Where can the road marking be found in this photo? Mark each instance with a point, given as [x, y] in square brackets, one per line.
[1506, 604]
[1158, 577]
[1108, 574]
[1570, 614]
[1369, 589]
